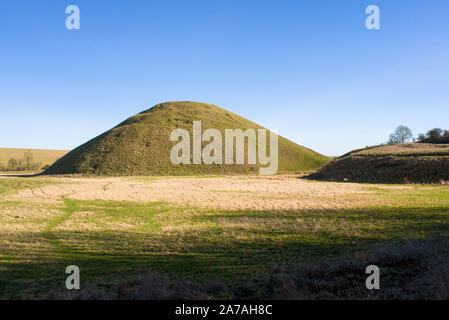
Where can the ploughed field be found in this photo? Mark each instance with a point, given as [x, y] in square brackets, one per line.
[221, 237]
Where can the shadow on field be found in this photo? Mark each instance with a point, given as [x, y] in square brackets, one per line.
[318, 254]
[24, 175]
[409, 270]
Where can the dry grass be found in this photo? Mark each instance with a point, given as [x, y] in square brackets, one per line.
[43, 156]
[234, 193]
[406, 149]
[239, 234]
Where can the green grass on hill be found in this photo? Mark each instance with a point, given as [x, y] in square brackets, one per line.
[405, 163]
[141, 145]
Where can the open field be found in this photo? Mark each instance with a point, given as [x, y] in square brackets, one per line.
[42, 156]
[221, 237]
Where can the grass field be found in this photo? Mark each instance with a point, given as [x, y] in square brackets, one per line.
[220, 237]
[43, 156]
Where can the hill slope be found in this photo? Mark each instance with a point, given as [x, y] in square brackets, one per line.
[42, 156]
[406, 163]
[141, 145]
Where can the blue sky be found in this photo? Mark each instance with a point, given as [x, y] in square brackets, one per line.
[309, 69]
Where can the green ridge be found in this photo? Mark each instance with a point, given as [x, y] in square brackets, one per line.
[403, 163]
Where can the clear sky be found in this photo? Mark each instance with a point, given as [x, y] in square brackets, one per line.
[309, 69]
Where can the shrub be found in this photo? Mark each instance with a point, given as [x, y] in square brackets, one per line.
[36, 166]
[12, 164]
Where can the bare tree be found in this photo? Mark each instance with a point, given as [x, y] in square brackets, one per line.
[28, 160]
[402, 134]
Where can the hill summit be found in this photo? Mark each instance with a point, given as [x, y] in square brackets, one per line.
[141, 145]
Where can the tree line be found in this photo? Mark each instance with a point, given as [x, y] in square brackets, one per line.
[24, 164]
[403, 134]
[435, 135]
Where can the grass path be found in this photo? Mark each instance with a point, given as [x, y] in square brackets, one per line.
[70, 208]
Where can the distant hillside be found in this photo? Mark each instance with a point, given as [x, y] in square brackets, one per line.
[405, 163]
[42, 156]
[141, 145]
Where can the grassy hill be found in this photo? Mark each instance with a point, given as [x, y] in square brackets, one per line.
[404, 163]
[42, 156]
[141, 145]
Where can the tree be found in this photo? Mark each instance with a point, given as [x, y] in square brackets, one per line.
[422, 137]
[434, 133]
[402, 134]
[21, 165]
[12, 164]
[446, 134]
[28, 160]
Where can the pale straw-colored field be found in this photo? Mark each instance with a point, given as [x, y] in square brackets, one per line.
[196, 227]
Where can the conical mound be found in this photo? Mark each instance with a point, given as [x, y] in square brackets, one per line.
[141, 145]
